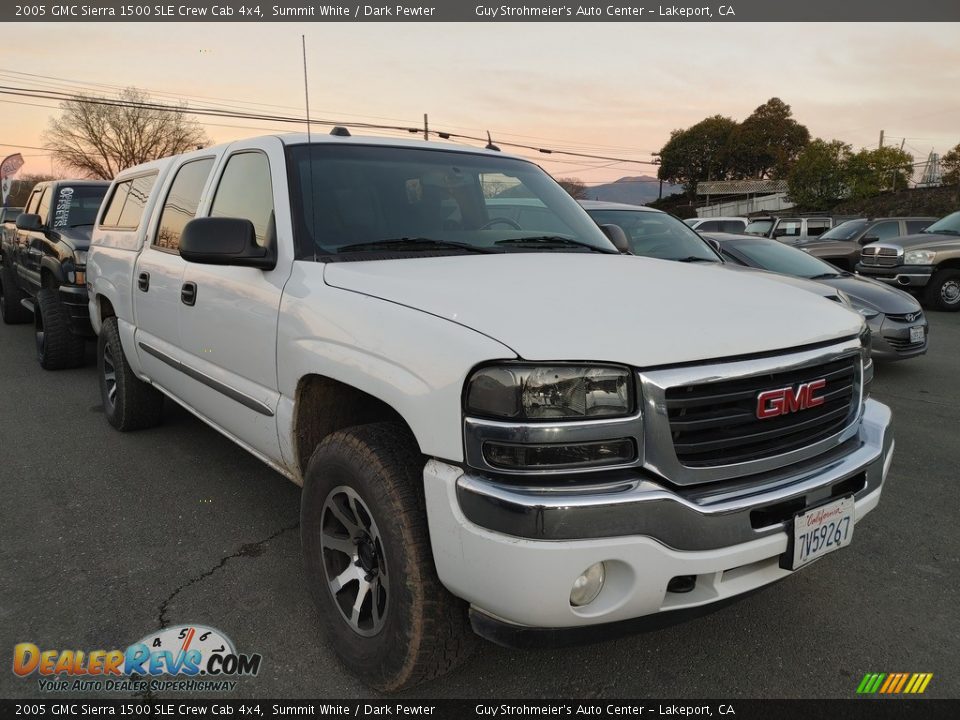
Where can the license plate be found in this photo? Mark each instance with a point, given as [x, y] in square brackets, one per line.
[916, 334]
[822, 530]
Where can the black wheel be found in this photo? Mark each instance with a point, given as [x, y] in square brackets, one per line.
[128, 402]
[943, 291]
[368, 560]
[58, 348]
[11, 310]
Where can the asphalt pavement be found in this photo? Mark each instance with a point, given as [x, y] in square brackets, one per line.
[106, 537]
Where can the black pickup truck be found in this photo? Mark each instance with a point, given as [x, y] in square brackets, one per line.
[43, 264]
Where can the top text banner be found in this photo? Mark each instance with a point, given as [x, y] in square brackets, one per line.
[474, 11]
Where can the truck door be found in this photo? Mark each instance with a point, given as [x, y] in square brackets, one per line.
[158, 277]
[228, 328]
[31, 244]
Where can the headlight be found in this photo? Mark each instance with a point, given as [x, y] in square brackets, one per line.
[919, 257]
[550, 392]
[867, 312]
[80, 258]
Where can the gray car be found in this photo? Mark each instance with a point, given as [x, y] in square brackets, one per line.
[896, 320]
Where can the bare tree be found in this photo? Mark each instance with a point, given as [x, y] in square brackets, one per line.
[574, 186]
[99, 140]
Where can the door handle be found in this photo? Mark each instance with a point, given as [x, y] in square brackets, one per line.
[188, 293]
[143, 281]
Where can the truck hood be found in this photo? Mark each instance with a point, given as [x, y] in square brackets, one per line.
[77, 238]
[575, 306]
[924, 241]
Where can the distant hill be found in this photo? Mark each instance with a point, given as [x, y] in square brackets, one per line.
[635, 190]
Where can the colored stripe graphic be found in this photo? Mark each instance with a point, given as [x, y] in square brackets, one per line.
[894, 683]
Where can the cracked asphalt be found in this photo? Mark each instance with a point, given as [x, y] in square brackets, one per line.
[105, 538]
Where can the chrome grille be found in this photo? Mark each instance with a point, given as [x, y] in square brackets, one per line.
[880, 256]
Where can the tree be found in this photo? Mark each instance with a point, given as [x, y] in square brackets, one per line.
[701, 152]
[767, 143]
[950, 162]
[20, 189]
[575, 187]
[99, 140]
[819, 175]
[870, 172]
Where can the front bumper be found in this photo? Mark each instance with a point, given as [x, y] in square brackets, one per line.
[908, 277]
[890, 338]
[74, 300]
[514, 552]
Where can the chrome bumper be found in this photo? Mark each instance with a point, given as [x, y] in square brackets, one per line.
[708, 516]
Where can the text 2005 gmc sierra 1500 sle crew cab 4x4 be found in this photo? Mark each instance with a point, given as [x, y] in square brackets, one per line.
[498, 423]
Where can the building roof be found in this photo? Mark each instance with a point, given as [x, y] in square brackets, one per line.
[741, 187]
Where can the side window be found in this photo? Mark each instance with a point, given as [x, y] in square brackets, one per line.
[111, 214]
[732, 226]
[43, 210]
[136, 200]
[730, 258]
[245, 191]
[915, 226]
[885, 230]
[182, 202]
[709, 226]
[788, 227]
[33, 202]
[817, 227]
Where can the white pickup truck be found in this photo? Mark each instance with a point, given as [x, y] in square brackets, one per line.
[499, 424]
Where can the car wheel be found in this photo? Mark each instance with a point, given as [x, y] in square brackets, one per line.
[11, 310]
[58, 348]
[943, 291]
[128, 402]
[368, 559]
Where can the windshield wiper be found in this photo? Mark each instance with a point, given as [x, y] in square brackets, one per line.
[824, 276]
[81, 224]
[693, 259]
[413, 244]
[941, 232]
[552, 241]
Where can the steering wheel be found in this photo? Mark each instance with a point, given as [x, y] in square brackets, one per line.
[506, 221]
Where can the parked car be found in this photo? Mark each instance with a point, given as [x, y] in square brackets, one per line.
[718, 224]
[898, 327]
[792, 229]
[656, 234]
[760, 225]
[496, 425]
[840, 245]
[926, 264]
[43, 275]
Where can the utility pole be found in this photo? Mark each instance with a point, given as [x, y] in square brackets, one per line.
[881, 139]
[426, 128]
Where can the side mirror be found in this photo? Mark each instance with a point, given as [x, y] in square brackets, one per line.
[715, 244]
[617, 236]
[29, 221]
[224, 241]
[867, 239]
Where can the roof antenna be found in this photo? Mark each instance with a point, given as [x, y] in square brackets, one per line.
[490, 145]
[313, 204]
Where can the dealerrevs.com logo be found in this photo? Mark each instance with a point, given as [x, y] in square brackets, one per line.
[190, 657]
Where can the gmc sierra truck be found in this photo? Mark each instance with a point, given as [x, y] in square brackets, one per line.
[42, 277]
[499, 424]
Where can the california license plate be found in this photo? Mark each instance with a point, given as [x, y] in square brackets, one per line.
[916, 334]
[821, 530]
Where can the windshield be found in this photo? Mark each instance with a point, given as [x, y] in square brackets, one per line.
[758, 227]
[845, 230]
[657, 234]
[780, 258]
[76, 205]
[362, 200]
[691, 221]
[949, 225]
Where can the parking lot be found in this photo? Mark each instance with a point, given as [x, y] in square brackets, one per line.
[107, 537]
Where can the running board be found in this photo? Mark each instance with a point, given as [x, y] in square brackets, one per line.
[28, 304]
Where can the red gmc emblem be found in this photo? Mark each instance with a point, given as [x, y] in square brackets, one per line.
[773, 403]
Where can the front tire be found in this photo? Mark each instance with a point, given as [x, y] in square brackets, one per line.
[943, 291]
[58, 348]
[128, 402]
[369, 563]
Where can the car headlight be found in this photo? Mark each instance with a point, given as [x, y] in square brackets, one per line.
[867, 312]
[919, 257]
[550, 392]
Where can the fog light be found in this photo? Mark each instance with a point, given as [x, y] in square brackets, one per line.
[588, 585]
[562, 455]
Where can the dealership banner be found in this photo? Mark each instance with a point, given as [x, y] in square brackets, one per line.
[8, 168]
[479, 11]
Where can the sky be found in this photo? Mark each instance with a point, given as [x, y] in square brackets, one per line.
[601, 88]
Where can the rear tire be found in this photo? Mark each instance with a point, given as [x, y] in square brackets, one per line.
[58, 348]
[369, 562]
[943, 290]
[128, 402]
[11, 310]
